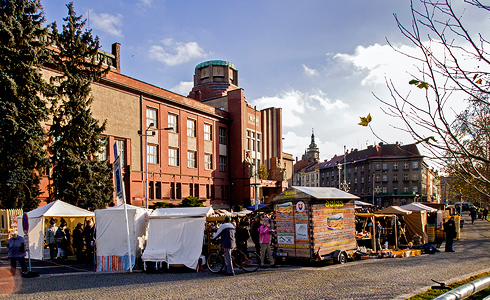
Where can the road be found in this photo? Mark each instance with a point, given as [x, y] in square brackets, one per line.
[368, 279]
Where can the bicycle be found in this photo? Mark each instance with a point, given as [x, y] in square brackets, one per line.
[248, 262]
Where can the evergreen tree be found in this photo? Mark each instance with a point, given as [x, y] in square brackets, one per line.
[22, 106]
[78, 177]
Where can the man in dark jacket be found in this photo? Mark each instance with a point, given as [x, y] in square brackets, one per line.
[450, 229]
[16, 252]
[254, 233]
[227, 233]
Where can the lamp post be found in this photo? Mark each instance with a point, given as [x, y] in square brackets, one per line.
[146, 135]
[375, 190]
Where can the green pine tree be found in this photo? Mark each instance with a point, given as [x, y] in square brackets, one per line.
[22, 106]
[78, 176]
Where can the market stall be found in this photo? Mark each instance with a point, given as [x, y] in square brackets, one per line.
[417, 222]
[315, 223]
[111, 238]
[37, 223]
[175, 236]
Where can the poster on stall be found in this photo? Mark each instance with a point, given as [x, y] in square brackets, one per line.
[301, 231]
[285, 239]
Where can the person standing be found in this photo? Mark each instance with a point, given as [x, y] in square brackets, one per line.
[265, 232]
[78, 241]
[254, 233]
[485, 213]
[16, 252]
[227, 233]
[62, 240]
[450, 229]
[242, 236]
[377, 235]
[88, 235]
[50, 232]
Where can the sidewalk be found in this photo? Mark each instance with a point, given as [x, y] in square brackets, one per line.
[47, 267]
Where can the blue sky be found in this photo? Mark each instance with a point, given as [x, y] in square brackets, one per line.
[321, 61]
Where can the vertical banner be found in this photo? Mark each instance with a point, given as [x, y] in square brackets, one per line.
[120, 195]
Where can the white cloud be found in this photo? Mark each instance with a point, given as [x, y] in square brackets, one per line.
[183, 88]
[174, 53]
[110, 24]
[310, 72]
[146, 2]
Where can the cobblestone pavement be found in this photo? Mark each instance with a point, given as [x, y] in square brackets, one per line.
[367, 279]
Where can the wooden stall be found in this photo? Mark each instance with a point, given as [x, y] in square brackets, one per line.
[315, 223]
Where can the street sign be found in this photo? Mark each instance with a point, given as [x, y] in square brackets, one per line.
[25, 223]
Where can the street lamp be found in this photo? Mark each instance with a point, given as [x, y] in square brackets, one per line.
[146, 135]
[376, 190]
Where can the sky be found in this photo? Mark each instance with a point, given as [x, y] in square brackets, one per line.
[322, 62]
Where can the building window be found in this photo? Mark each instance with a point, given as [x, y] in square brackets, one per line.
[378, 166]
[415, 177]
[395, 166]
[253, 141]
[405, 177]
[191, 189]
[385, 166]
[196, 190]
[212, 191]
[405, 189]
[406, 166]
[362, 180]
[355, 180]
[151, 193]
[101, 155]
[152, 154]
[191, 128]
[385, 178]
[173, 123]
[385, 189]
[377, 178]
[415, 189]
[208, 194]
[121, 150]
[222, 163]
[222, 135]
[395, 177]
[178, 190]
[191, 159]
[172, 190]
[224, 192]
[158, 190]
[151, 117]
[208, 161]
[415, 165]
[173, 157]
[207, 132]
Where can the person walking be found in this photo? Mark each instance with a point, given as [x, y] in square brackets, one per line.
[265, 232]
[227, 233]
[450, 229]
[16, 252]
[62, 238]
[473, 215]
[485, 213]
[50, 232]
[254, 233]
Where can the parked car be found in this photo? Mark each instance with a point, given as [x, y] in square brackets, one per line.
[465, 206]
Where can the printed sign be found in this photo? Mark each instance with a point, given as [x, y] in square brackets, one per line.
[285, 239]
[300, 206]
[335, 222]
[301, 231]
[284, 207]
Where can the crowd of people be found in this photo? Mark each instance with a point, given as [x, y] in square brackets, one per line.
[62, 242]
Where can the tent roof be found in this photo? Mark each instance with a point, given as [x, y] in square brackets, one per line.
[414, 206]
[362, 203]
[329, 193]
[181, 212]
[394, 210]
[121, 207]
[59, 208]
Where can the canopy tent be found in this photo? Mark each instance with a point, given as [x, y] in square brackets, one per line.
[111, 237]
[415, 206]
[361, 203]
[415, 225]
[37, 225]
[176, 235]
[396, 210]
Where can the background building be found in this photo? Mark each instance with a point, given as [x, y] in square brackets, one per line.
[206, 145]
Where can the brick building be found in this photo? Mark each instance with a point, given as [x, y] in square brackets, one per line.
[205, 145]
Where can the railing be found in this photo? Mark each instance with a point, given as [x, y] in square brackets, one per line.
[466, 290]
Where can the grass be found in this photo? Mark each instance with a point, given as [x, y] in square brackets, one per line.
[430, 294]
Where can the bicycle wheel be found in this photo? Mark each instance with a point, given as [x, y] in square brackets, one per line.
[250, 262]
[215, 262]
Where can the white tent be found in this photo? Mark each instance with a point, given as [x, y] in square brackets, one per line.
[111, 237]
[176, 235]
[415, 206]
[37, 228]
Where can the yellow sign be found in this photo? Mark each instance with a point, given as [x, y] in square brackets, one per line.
[292, 193]
[334, 203]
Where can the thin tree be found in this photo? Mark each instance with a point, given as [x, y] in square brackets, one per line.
[453, 66]
[78, 176]
[23, 107]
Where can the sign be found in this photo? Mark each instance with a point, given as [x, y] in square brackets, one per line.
[301, 231]
[25, 223]
[300, 206]
[285, 239]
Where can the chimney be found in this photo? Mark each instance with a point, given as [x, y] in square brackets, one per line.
[116, 51]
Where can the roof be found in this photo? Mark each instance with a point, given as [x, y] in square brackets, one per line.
[394, 210]
[181, 212]
[414, 206]
[216, 63]
[329, 193]
[59, 208]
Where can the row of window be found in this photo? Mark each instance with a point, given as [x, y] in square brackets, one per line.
[383, 189]
[381, 166]
[173, 158]
[155, 190]
[383, 177]
[173, 123]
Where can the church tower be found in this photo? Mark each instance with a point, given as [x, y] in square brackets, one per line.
[312, 153]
